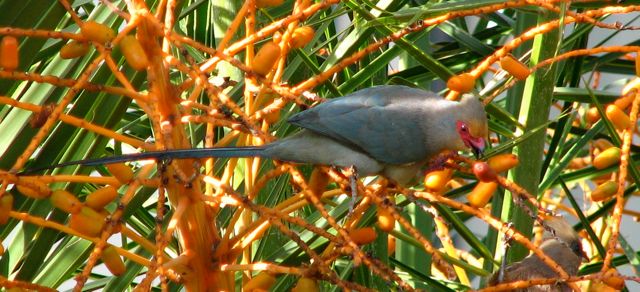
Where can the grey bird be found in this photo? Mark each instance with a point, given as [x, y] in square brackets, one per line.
[564, 248]
[388, 130]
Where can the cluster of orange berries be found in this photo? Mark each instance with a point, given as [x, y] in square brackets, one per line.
[485, 172]
[88, 217]
[465, 82]
[102, 34]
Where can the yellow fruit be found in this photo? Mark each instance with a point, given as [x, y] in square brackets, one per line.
[74, 49]
[266, 57]
[607, 158]
[301, 37]
[435, 181]
[9, 55]
[593, 115]
[516, 68]
[121, 171]
[603, 144]
[391, 245]
[97, 32]
[101, 197]
[65, 201]
[6, 205]
[362, 236]
[619, 119]
[604, 191]
[87, 222]
[268, 3]
[134, 53]
[462, 83]
[613, 279]
[318, 182]
[386, 222]
[482, 193]
[503, 162]
[637, 63]
[34, 189]
[306, 285]
[113, 261]
[624, 101]
[262, 281]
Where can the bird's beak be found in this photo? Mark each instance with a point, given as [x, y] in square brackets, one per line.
[477, 145]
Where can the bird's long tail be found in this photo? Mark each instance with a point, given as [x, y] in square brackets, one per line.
[219, 152]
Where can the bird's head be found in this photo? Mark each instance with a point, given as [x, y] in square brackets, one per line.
[564, 231]
[472, 136]
[471, 123]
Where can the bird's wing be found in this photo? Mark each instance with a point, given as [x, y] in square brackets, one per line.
[379, 120]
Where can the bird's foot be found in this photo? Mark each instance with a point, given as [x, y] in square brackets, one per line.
[439, 162]
[503, 263]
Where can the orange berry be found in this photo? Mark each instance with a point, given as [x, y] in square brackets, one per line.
[613, 279]
[306, 285]
[462, 83]
[604, 191]
[503, 162]
[6, 205]
[436, 181]
[9, 56]
[624, 101]
[619, 119]
[74, 49]
[65, 201]
[592, 115]
[262, 281]
[318, 182]
[266, 57]
[637, 63]
[386, 222]
[121, 171]
[301, 36]
[607, 158]
[483, 172]
[602, 144]
[97, 32]
[516, 68]
[34, 189]
[391, 245]
[482, 193]
[134, 53]
[87, 222]
[101, 197]
[362, 236]
[268, 3]
[113, 261]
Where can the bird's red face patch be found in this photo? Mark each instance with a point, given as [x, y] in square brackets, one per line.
[475, 143]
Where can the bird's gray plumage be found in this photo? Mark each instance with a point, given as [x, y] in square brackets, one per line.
[390, 130]
[563, 247]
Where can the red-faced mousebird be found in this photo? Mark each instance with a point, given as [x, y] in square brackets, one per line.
[563, 247]
[386, 130]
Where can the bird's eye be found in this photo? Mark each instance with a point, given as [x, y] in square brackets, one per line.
[462, 126]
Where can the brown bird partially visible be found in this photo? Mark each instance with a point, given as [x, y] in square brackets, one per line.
[565, 249]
